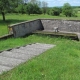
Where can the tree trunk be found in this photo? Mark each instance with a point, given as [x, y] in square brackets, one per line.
[3, 15]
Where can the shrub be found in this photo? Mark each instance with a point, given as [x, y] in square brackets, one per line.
[67, 10]
[56, 11]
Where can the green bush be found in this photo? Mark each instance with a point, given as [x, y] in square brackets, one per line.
[33, 9]
[74, 13]
[56, 11]
[68, 10]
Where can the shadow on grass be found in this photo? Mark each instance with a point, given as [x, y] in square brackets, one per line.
[10, 21]
[35, 14]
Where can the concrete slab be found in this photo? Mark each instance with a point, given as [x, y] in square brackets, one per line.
[28, 51]
[10, 62]
[20, 54]
[12, 58]
[15, 55]
[4, 68]
[38, 45]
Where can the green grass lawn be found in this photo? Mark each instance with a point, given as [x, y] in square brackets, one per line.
[59, 63]
[15, 18]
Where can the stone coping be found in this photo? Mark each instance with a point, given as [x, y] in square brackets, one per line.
[41, 19]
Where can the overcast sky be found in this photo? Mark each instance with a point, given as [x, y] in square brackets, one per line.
[52, 3]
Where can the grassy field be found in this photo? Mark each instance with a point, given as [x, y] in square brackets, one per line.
[59, 63]
[15, 18]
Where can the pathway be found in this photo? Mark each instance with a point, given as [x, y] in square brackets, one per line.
[12, 58]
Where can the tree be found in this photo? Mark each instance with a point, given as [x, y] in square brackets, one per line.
[26, 1]
[33, 9]
[49, 11]
[29, 8]
[67, 9]
[21, 8]
[33, 1]
[36, 9]
[38, 2]
[56, 11]
[3, 7]
[7, 5]
[74, 13]
[44, 7]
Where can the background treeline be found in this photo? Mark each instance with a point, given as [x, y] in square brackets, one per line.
[36, 7]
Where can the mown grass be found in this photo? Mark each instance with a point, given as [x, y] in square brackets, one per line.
[15, 18]
[59, 63]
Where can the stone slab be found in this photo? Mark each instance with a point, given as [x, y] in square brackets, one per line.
[12, 58]
[28, 51]
[4, 68]
[20, 54]
[15, 55]
[10, 62]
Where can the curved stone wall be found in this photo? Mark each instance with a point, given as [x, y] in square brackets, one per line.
[23, 28]
[63, 25]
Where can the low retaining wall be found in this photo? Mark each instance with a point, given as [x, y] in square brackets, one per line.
[23, 28]
[63, 25]
[6, 36]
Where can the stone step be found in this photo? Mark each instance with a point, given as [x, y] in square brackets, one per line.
[28, 51]
[4, 68]
[9, 62]
[38, 45]
[18, 55]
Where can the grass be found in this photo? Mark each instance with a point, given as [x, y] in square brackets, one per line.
[3, 28]
[59, 63]
[15, 18]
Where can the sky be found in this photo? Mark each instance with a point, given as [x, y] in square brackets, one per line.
[52, 3]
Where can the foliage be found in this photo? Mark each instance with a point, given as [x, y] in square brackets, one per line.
[62, 62]
[4, 5]
[7, 6]
[33, 9]
[36, 9]
[51, 12]
[67, 9]
[48, 11]
[74, 13]
[44, 7]
[12, 18]
[21, 8]
[33, 1]
[56, 11]
[29, 8]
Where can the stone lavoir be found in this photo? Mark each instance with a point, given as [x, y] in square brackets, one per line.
[49, 25]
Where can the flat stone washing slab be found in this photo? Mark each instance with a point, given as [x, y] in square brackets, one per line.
[10, 59]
